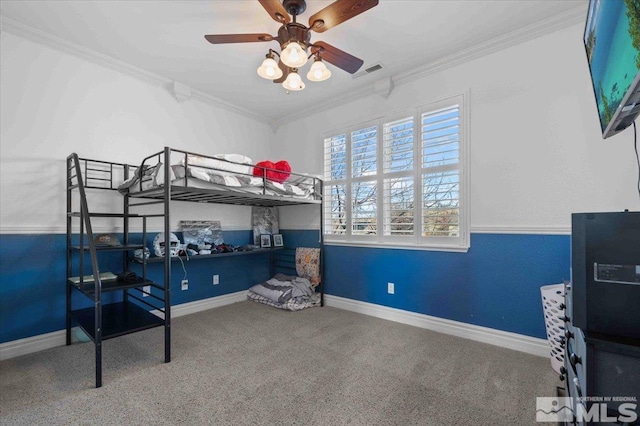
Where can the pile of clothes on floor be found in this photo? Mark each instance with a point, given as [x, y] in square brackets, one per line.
[285, 292]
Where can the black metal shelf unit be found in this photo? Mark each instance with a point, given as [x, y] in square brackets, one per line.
[88, 288]
[119, 318]
[133, 313]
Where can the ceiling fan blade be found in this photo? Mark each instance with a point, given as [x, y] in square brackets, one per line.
[337, 57]
[285, 72]
[238, 38]
[276, 10]
[338, 12]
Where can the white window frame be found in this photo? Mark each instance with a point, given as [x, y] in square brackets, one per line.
[416, 240]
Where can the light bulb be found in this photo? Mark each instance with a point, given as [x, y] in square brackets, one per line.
[269, 69]
[294, 56]
[318, 71]
[293, 82]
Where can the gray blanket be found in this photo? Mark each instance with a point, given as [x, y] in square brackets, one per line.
[283, 288]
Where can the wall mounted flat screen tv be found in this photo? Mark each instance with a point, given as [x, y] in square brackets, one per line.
[612, 43]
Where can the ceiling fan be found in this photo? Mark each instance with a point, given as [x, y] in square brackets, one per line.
[295, 40]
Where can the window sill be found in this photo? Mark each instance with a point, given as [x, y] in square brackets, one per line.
[395, 246]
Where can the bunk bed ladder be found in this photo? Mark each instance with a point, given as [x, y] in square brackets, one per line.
[134, 313]
[74, 171]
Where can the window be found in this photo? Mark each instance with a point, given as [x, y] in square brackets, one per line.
[399, 180]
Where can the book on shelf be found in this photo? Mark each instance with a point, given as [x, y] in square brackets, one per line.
[104, 276]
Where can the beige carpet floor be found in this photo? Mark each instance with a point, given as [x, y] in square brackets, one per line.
[249, 364]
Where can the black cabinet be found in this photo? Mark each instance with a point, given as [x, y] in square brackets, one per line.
[602, 321]
[605, 271]
[603, 378]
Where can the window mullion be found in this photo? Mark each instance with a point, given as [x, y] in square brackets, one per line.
[349, 182]
[417, 182]
[380, 181]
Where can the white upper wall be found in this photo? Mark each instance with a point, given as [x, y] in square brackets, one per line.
[54, 103]
[537, 154]
[536, 150]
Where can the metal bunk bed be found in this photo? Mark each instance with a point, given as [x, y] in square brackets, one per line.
[141, 188]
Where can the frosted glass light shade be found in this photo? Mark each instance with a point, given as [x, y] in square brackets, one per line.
[269, 69]
[293, 55]
[318, 71]
[293, 82]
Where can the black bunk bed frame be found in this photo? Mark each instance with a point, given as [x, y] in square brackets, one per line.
[101, 322]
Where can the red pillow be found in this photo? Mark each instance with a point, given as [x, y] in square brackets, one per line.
[262, 167]
[278, 172]
[285, 171]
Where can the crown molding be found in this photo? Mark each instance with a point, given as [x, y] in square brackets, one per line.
[49, 40]
[347, 97]
[505, 41]
[530, 32]
[521, 35]
[38, 36]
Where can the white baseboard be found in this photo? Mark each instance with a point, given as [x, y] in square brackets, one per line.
[505, 339]
[29, 345]
[58, 338]
[204, 304]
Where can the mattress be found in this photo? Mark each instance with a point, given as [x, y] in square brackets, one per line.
[211, 173]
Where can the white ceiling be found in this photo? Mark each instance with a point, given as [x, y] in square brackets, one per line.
[165, 38]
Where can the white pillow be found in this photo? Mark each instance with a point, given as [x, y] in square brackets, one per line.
[221, 165]
[235, 158]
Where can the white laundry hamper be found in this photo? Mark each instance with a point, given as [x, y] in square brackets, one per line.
[553, 307]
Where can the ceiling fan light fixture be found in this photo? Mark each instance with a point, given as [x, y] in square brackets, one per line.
[293, 55]
[294, 40]
[269, 68]
[293, 81]
[318, 71]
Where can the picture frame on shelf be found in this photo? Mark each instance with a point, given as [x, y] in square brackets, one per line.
[265, 240]
[277, 240]
[265, 221]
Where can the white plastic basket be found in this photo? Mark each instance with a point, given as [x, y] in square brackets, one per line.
[552, 299]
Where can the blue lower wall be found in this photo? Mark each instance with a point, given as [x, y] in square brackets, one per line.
[495, 284]
[33, 276]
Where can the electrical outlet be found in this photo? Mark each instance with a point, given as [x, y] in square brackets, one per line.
[216, 279]
[185, 284]
[145, 290]
[391, 288]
